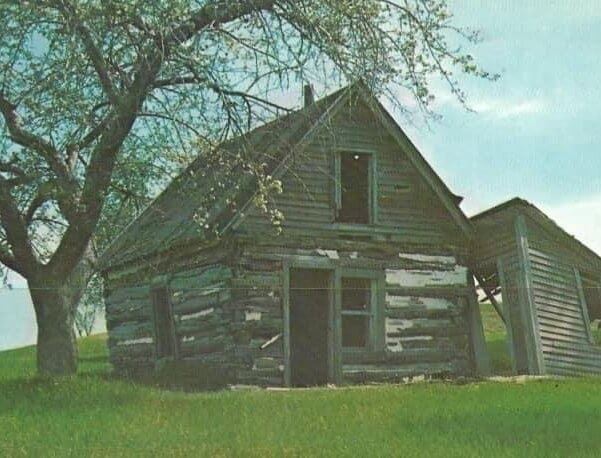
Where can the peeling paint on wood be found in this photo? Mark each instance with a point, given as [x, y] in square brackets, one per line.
[271, 341]
[423, 278]
[191, 316]
[332, 254]
[434, 303]
[229, 299]
[252, 316]
[135, 341]
[449, 260]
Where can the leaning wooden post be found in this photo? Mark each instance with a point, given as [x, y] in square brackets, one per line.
[536, 364]
[490, 296]
[476, 330]
[506, 312]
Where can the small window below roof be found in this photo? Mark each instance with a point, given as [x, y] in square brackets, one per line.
[354, 172]
[591, 288]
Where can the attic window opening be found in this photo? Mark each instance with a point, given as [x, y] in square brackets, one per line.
[354, 188]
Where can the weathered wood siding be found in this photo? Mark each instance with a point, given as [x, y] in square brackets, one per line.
[255, 315]
[494, 239]
[542, 300]
[564, 332]
[425, 323]
[197, 294]
[423, 326]
[230, 311]
[129, 324]
[408, 210]
[514, 311]
[201, 327]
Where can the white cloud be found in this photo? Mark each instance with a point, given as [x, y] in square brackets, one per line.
[581, 219]
[504, 108]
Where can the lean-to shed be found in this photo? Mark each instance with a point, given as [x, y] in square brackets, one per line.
[366, 279]
[550, 285]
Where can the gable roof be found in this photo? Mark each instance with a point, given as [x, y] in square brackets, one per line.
[518, 205]
[171, 218]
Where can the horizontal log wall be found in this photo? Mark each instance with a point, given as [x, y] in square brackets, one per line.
[255, 314]
[130, 328]
[201, 332]
[201, 326]
[425, 327]
[236, 318]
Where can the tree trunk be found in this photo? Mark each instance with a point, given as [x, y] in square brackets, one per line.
[55, 302]
[57, 343]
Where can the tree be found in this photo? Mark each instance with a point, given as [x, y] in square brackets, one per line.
[101, 99]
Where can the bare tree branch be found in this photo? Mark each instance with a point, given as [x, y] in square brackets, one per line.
[15, 229]
[25, 138]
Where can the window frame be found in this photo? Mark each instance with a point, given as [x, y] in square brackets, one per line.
[164, 287]
[372, 177]
[375, 326]
[584, 304]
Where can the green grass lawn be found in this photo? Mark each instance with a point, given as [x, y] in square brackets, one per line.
[93, 415]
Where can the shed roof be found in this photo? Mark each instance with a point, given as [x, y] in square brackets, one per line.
[523, 206]
[170, 218]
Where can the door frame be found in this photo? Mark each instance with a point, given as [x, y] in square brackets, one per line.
[332, 326]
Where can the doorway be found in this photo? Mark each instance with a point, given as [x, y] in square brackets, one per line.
[310, 305]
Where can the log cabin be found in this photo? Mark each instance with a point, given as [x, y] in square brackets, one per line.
[364, 280]
[550, 285]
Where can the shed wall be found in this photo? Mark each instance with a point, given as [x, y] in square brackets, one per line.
[565, 338]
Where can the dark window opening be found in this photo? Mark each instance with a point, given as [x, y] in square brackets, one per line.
[356, 312]
[354, 330]
[356, 293]
[354, 189]
[592, 297]
[163, 323]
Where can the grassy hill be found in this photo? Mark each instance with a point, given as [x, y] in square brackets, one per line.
[94, 415]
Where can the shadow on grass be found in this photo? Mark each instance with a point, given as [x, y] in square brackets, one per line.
[80, 392]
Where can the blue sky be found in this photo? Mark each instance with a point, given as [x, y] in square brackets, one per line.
[535, 134]
[536, 131]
